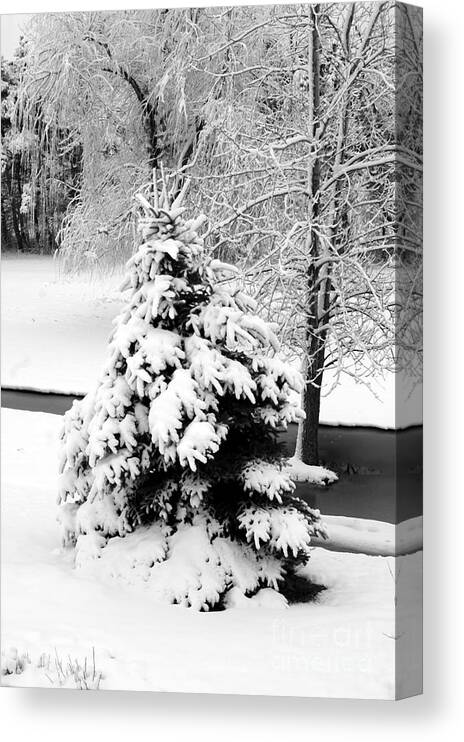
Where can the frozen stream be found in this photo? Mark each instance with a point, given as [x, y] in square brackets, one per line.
[379, 475]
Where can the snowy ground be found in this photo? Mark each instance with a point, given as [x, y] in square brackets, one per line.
[54, 330]
[373, 537]
[54, 334]
[343, 645]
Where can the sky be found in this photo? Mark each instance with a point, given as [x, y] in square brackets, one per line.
[10, 31]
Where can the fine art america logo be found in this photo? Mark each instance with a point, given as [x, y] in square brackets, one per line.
[321, 648]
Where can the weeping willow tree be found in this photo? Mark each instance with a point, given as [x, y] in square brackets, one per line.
[113, 87]
[129, 91]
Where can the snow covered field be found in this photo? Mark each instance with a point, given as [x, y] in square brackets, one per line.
[54, 335]
[344, 644]
[54, 330]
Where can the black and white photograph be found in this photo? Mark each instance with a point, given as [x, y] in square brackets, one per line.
[211, 336]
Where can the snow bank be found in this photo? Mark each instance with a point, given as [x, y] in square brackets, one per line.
[362, 536]
[301, 472]
[45, 317]
[341, 646]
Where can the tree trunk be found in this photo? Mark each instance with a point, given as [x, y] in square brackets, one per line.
[14, 207]
[307, 445]
[151, 126]
[307, 448]
[310, 428]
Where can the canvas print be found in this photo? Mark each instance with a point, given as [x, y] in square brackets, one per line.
[211, 350]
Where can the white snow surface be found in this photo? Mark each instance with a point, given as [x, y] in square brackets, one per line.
[301, 472]
[362, 536]
[55, 331]
[343, 645]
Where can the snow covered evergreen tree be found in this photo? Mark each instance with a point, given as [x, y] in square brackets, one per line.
[171, 471]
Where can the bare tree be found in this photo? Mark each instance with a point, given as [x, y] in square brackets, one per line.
[315, 179]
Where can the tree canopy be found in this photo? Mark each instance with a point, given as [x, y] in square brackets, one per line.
[299, 130]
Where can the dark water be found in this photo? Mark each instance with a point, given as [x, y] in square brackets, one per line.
[19, 399]
[380, 470]
[380, 473]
